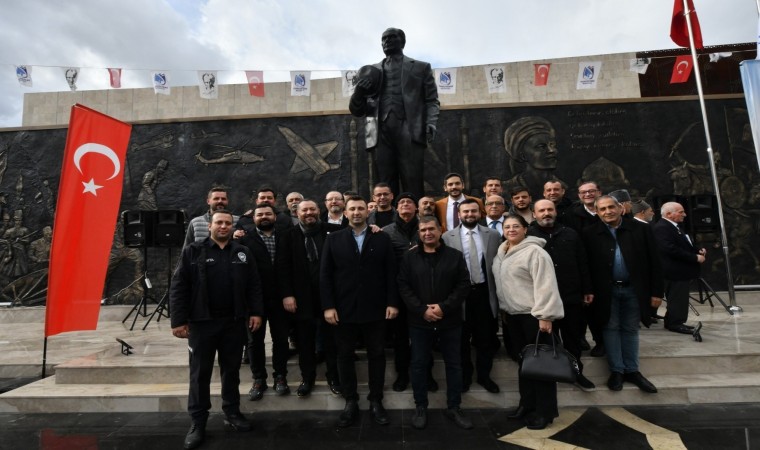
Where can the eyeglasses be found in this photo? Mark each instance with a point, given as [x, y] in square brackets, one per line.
[589, 192]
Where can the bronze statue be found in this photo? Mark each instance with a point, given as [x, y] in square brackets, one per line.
[531, 145]
[400, 100]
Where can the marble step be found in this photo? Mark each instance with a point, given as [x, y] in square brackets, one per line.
[48, 396]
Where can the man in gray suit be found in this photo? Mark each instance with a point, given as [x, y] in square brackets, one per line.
[479, 246]
[399, 97]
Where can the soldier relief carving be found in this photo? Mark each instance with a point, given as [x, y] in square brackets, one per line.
[651, 149]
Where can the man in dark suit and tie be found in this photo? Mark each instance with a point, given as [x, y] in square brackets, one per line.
[479, 246]
[680, 264]
[358, 285]
[401, 103]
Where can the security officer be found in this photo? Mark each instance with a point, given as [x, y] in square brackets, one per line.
[215, 293]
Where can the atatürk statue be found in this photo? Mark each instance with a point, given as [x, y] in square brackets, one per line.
[400, 100]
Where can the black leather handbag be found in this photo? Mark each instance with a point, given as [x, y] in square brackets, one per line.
[545, 362]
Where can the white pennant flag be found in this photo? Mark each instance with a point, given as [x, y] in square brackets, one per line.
[349, 80]
[715, 57]
[588, 73]
[207, 84]
[24, 75]
[446, 81]
[300, 83]
[640, 65]
[72, 75]
[161, 83]
[495, 79]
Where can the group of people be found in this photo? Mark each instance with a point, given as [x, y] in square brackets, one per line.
[421, 274]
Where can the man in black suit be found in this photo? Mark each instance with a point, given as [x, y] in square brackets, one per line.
[626, 274]
[680, 264]
[358, 285]
[261, 239]
[299, 252]
[402, 103]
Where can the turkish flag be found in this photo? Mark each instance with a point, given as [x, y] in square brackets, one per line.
[541, 74]
[682, 69]
[115, 76]
[255, 82]
[89, 194]
[679, 31]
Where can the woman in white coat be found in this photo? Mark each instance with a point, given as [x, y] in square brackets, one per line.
[529, 299]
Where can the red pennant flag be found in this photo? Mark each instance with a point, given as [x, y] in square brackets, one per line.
[541, 74]
[255, 82]
[115, 75]
[89, 194]
[682, 69]
[679, 31]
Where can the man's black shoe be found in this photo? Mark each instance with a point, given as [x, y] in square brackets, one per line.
[419, 420]
[584, 383]
[305, 388]
[538, 423]
[456, 415]
[489, 385]
[615, 382]
[257, 390]
[638, 379]
[518, 413]
[281, 385]
[683, 329]
[349, 414]
[195, 436]
[432, 385]
[597, 351]
[585, 346]
[334, 386]
[238, 422]
[401, 383]
[378, 413]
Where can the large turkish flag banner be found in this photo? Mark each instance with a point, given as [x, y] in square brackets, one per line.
[85, 219]
[679, 31]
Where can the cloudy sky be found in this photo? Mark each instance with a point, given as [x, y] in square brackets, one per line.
[183, 36]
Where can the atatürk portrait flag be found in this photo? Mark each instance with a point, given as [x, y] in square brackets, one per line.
[89, 194]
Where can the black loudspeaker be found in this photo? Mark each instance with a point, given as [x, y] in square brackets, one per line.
[703, 211]
[138, 228]
[169, 228]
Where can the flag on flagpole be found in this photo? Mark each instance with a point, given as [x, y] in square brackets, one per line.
[682, 69]
[161, 83]
[72, 75]
[300, 83]
[115, 77]
[495, 79]
[679, 31]
[446, 81]
[207, 84]
[349, 78]
[541, 74]
[255, 82]
[89, 194]
[24, 75]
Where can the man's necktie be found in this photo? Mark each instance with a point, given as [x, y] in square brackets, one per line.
[456, 214]
[474, 261]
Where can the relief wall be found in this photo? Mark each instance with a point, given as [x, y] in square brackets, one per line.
[651, 148]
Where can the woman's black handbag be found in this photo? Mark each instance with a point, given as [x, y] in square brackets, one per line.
[545, 362]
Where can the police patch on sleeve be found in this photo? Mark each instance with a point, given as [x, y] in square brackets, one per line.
[241, 256]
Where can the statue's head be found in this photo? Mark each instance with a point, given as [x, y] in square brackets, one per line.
[531, 140]
[393, 41]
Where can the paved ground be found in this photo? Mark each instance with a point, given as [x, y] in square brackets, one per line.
[723, 427]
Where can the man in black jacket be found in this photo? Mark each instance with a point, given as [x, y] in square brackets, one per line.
[434, 282]
[573, 278]
[299, 253]
[215, 294]
[625, 271]
[680, 264]
[358, 287]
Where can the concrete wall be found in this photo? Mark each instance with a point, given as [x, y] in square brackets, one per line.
[135, 105]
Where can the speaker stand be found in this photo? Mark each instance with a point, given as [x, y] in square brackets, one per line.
[141, 308]
[706, 294]
[163, 306]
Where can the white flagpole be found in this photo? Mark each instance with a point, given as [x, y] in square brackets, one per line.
[723, 238]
